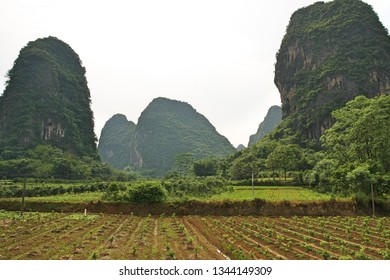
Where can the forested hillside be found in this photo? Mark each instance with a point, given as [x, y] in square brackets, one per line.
[165, 129]
[271, 120]
[115, 141]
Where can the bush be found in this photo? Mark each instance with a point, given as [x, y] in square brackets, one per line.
[146, 192]
[43, 189]
[362, 200]
[113, 192]
[195, 187]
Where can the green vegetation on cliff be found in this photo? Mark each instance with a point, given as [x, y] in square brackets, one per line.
[115, 141]
[169, 127]
[271, 120]
[331, 53]
[46, 123]
[47, 101]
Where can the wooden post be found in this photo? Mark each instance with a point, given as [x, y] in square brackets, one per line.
[23, 193]
[253, 192]
[372, 199]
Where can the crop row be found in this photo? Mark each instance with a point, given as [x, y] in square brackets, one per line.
[75, 236]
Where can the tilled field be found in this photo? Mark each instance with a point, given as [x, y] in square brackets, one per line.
[115, 237]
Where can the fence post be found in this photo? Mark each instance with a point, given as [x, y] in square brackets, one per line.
[372, 199]
[253, 191]
[23, 193]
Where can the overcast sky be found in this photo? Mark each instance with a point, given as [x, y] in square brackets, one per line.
[217, 55]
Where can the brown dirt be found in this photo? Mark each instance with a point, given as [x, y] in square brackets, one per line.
[189, 237]
[223, 208]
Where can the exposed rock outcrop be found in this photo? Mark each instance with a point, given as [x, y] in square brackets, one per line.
[331, 53]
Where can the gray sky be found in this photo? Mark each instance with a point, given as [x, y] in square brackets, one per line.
[217, 55]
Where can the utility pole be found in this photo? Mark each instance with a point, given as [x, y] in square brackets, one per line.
[23, 194]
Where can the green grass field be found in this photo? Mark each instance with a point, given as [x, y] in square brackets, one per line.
[268, 193]
[79, 197]
[271, 193]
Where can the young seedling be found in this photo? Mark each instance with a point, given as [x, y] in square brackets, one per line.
[133, 251]
[196, 251]
[94, 256]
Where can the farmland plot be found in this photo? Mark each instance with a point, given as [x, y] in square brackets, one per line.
[272, 194]
[75, 236]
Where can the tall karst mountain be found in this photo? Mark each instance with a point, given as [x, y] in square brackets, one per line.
[115, 140]
[271, 120]
[331, 53]
[166, 128]
[47, 100]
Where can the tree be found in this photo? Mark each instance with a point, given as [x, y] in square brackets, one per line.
[360, 179]
[360, 142]
[246, 165]
[361, 132]
[184, 163]
[205, 167]
[285, 157]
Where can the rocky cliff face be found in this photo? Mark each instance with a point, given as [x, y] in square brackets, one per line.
[115, 141]
[47, 100]
[271, 120]
[164, 129]
[331, 53]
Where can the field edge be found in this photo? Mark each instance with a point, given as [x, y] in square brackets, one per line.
[255, 207]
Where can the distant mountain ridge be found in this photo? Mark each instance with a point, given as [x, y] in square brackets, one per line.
[271, 120]
[164, 129]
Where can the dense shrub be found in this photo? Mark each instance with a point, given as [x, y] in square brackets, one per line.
[45, 161]
[195, 187]
[42, 189]
[114, 192]
[149, 192]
